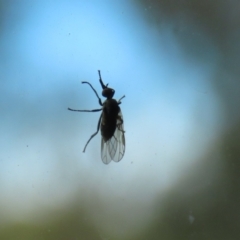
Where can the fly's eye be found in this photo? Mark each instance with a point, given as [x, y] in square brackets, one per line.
[108, 92]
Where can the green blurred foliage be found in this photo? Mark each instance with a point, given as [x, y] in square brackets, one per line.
[68, 223]
[204, 205]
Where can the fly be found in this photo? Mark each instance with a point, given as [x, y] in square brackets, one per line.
[110, 123]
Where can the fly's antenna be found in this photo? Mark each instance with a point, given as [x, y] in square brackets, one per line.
[100, 80]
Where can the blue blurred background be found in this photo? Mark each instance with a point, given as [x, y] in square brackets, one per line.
[177, 64]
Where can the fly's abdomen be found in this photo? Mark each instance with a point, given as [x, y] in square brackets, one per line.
[108, 126]
[109, 118]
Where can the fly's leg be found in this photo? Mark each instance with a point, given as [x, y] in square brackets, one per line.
[99, 99]
[98, 126]
[119, 101]
[94, 110]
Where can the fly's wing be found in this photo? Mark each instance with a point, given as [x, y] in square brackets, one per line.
[119, 135]
[114, 148]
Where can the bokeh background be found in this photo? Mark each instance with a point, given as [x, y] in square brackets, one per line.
[177, 62]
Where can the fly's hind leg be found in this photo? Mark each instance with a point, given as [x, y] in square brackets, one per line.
[98, 126]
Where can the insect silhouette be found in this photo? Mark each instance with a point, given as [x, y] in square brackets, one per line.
[111, 124]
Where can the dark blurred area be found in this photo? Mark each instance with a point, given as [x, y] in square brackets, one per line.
[203, 204]
[195, 22]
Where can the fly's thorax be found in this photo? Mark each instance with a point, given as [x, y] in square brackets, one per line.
[111, 108]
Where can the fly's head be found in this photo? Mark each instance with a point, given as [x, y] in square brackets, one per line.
[108, 93]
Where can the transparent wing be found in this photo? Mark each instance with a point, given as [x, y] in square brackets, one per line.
[114, 148]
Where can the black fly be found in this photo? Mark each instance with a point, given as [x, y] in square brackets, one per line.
[111, 124]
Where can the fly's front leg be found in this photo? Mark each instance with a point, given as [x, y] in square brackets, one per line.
[119, 101]
[99, 99]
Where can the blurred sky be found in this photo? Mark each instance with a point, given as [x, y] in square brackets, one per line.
[171, 111]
